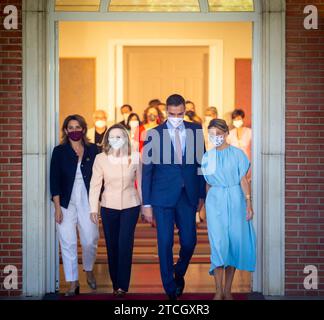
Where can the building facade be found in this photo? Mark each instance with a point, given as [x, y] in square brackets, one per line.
[288, 106]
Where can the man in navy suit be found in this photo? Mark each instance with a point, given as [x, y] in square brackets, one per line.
[173, 189]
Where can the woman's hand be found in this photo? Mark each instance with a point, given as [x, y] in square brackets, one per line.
[58, 215]
[148, 214]
[94, 217]
[249, 210]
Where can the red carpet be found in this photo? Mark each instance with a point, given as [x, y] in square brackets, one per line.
[145, 296]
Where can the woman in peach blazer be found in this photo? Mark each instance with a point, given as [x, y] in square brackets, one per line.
[120, 202]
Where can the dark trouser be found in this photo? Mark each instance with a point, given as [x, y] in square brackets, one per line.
[184, 215]
[119, 228]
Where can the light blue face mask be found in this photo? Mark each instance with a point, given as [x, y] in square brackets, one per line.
[217, 141]
[116, 143]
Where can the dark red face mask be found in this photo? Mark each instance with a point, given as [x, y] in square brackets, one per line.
[75, 135]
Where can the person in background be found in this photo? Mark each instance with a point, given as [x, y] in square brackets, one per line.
[211, 113]
[133, 124]
[125, 110]
[118, 167]
[190, 106]
[229, 210]
[191, 116]
[96, 134]
[241, 136]
[151, 119]
[70, 174]
[162, 108]
[154, 103]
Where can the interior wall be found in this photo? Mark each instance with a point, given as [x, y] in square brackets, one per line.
[90, 39]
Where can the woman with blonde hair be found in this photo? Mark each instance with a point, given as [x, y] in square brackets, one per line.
[70, 174]
[119, 168]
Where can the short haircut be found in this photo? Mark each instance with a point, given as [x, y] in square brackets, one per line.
[175, 100]
[127, 106]
[238, 113]
[213, 110]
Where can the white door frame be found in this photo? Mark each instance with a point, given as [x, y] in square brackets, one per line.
[116, 58]
[40, 275]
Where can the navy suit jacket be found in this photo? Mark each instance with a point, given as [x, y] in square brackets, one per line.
[162, 178]
[64, 164]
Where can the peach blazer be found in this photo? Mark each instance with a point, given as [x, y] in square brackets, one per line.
[119, 175]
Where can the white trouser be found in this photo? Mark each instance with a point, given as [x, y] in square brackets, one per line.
[77, 215]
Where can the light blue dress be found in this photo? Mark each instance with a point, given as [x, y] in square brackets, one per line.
[232, 238]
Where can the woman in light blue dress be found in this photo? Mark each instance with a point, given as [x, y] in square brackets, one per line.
[229, 210]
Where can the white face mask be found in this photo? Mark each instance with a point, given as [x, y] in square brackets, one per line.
[100, 124]
[116, 143]
[217, 141]
[238, 123]
[175, 122]
[133, 124]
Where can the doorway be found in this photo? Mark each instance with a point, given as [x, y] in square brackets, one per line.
[137, 68]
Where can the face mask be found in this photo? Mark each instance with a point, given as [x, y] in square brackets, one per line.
[175, 122]
[208, 119]
[238, 123]
[152, 117]
[133, 124]
[100, 124]
[116, 143]
[75, 135]
[217, 141]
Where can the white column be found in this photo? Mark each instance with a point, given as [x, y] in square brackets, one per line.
[273, 146]
[34, 147]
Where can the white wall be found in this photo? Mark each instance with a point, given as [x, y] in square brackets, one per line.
[90, 39]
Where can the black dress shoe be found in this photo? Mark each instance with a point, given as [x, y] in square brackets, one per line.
[172, 296]
[180, 282]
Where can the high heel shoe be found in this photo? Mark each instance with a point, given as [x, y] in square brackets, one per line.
[92, 282]
[74, 292]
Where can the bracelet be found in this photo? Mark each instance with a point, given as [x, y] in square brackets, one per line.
[248, 197]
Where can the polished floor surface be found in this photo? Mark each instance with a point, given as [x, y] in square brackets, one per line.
[146, 279]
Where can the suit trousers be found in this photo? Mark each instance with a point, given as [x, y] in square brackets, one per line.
[184, 216]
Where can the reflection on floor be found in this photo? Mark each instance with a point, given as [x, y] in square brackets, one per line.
[146, 279]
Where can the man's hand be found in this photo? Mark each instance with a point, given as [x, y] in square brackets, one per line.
[200, 204]
[148, 214]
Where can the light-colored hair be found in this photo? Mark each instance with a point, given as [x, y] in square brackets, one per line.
[213, 110]
[106, 146]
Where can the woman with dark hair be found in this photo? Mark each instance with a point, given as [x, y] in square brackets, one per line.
[133, 123]
[229, 210]
[191, 116]
[191, 108]
[120, 204]
[70, 174]
[151, 119]
[240, 136]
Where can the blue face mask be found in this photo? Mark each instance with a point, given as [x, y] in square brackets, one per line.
[217, 141]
